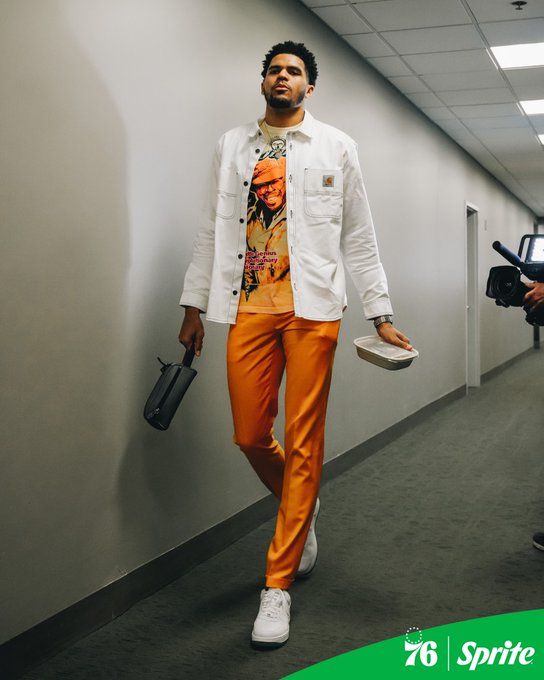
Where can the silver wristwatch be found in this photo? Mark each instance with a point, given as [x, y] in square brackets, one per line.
[384, 318]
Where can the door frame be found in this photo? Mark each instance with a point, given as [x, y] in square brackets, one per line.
[472, 299]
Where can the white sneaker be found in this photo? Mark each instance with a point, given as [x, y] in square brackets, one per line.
[271, 627]
[309, 554]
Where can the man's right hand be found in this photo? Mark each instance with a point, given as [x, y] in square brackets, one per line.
[192, 330]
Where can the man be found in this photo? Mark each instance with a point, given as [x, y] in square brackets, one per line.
[287, 209]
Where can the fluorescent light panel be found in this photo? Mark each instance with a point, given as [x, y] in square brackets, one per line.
[532, 107]
[519, 56]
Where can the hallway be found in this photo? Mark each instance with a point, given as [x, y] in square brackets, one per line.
[434, 528]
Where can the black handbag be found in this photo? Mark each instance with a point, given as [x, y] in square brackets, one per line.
[165, 397]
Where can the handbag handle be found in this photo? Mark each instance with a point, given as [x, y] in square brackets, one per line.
[189, 356]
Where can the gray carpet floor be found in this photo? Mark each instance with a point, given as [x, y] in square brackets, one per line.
[434, 528]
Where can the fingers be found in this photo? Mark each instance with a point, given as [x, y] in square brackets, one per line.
[195, 339]
[199, 339]
[395, 337]
[402, 340]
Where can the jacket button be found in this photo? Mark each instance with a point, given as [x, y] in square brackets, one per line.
[246, 183]
[235, 292]
[241, 220]
[240, 256]
[257, 151]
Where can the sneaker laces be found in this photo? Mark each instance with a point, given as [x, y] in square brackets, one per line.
[271, 603]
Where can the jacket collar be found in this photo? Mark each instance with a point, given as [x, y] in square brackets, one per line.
[306, 128]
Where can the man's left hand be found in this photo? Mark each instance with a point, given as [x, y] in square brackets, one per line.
[390, 334]
[534, 299]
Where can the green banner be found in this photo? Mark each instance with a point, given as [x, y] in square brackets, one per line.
[504, 646]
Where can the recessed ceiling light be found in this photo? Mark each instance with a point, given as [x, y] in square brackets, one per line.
[532, 106]
[519, 56]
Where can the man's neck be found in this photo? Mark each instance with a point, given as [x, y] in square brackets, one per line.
[283, 117]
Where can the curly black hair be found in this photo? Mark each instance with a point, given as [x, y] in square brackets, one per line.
[299, 50]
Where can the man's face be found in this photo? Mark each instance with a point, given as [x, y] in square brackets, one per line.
[285, 85]
[272, 193]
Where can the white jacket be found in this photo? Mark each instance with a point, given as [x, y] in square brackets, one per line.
[329, 225]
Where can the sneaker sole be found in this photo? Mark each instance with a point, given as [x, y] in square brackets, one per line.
[269, 644]
[307, 573]
[538, 546]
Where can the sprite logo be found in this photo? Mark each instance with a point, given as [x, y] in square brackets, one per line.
[419, 651]
[470, 654]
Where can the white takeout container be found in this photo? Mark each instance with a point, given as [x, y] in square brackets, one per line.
[375, 350]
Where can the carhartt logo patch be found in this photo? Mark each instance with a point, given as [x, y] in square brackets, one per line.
[328, 180]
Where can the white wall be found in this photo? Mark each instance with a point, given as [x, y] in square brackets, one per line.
[110, 111]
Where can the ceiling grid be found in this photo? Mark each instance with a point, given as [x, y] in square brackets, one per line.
[437, 53]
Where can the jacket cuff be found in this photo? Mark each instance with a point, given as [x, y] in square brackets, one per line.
[377, 307]
[194, 300]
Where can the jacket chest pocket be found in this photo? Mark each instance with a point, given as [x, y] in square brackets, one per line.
[323, 192]
[227, 192]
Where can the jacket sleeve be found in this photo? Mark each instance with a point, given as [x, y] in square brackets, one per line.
[358, 241]
[196, 284]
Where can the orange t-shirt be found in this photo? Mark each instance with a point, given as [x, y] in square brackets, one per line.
[266, 284]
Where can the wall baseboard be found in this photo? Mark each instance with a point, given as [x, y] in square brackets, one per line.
[494, 372]
[45, 639]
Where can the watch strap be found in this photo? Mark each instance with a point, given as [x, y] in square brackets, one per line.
[384, 318]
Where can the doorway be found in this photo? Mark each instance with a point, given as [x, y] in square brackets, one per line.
[472, 299]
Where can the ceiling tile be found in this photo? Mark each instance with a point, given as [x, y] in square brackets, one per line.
[491, 10]
[424, 99]
[485, 110]
[369, 45]
[521, 136]
[390, 15]
[522, 162]
[538, 123]
[442, 39]
[390, 66]
[438, 113]
[529, 92]
[513, 32]
[322, 3]
[528, 83]
[453, 126]
[450, 62]
[343, 19]
[502, 145]
[463, 81]
[535, 176]
[492, 165]
[408, 84]
[534, 186]
[480, 153]
[535, 159]
[493, 95]
[497, 122]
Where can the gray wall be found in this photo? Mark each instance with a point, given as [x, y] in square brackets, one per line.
[110, 110]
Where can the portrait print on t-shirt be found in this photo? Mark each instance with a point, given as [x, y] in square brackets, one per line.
[267, 281]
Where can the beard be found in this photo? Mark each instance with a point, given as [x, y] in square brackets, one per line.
[283, 102]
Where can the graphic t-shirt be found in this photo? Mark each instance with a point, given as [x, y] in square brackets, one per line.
[266, 284]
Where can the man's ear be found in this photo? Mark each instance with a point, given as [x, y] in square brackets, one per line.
[309, 90]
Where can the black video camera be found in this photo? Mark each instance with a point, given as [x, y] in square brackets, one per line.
[504, 284]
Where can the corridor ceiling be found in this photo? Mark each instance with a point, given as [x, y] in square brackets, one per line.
[437, 53]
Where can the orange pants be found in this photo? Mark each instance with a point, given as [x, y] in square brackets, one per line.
[259, 348]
